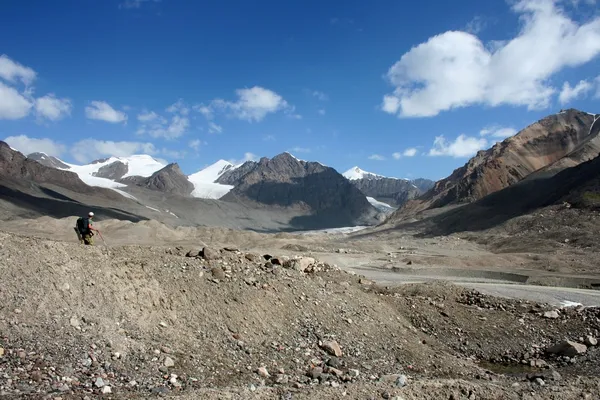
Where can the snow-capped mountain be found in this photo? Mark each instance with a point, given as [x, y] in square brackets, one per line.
[204, 181]
[383, 190]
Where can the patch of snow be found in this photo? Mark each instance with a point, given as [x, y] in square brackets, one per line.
[593, 123]
[204, 180]
[153, 209]
[172, 214]
[567, 303]
[209, 190]
[345, 230]
[380, 204]
[142, 165]
[293, 156]
[124, 194]
[212, 172]
[99, 182]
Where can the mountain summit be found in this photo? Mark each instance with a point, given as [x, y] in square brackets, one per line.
[382, 189]
[535, 148]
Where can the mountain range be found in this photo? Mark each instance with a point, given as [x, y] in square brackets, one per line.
[285, 193]
[537, 152]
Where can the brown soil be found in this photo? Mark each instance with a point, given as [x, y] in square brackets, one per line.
[71, 314]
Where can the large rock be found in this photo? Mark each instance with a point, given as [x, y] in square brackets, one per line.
[114, 171]
[210, 254]
[299, 264]
[567, 348]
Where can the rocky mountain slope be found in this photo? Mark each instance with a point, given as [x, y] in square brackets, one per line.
[392, 191]
[169, 179]
[288, 182]
[48, 161]
[538, 146]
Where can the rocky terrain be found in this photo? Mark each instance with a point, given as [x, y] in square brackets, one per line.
[392, 191]
[570, 133]
[222, 319]
[48, 161]
[170, 179]
[285, 181]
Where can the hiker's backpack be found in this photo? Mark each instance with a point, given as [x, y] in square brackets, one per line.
[83, 225]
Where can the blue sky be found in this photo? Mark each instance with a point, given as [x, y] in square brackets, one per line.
[406, 89]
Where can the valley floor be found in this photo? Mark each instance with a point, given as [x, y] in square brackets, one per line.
[382, 313]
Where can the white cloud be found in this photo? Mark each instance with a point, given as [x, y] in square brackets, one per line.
[321, 112]
[178, 107]
[88, 150]
[27, 145]
[247, 157]
[135, 3]
[455, 69]
[410, 152]
[376, 157]
[462, 146]
[52, 108]
[569, 93]
[13, 105]
[320, 95]
[498, 132]
[204, 110]
[12, 71]
[102, 111]
[173, 154]
[214, 128]
[157, 126]
[147, 116]
[253, 104]
[195, 144]
[298, 149]
[476, 25]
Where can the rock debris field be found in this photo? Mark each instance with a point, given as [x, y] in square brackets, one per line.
[206, 322]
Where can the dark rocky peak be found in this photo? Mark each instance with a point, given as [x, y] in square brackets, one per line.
[233, 176]
[169, 179]
[48, 161]
[115, 170]
[100, 160]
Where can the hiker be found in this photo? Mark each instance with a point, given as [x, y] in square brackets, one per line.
[86, 230]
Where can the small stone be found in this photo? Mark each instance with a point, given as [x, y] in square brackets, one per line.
[540, 381]
[18, 311]
[315, 372]
[116, 355]
[163, 324]
[262, 371]
[551, 314]
[210, 254]
[401, 381]
[556, 376]
[106, 390]
[335, 384]
[99, 382]
[169, 362]
[1, 352]
[591, 341]
[218, 273]
[193, 253]
[333, 348]
[166, 350]
[75, 323]
[568, 348]
[333, 362]
[353, 373]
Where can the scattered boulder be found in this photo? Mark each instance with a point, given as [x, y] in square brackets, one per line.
[332, 347]
[210, 254]
[567, 348]
[267, 257]
[218, 273]
[591, 341]
[194, 253]
[299, 264]
[169, 362]
[551, 314]
[262, 371]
